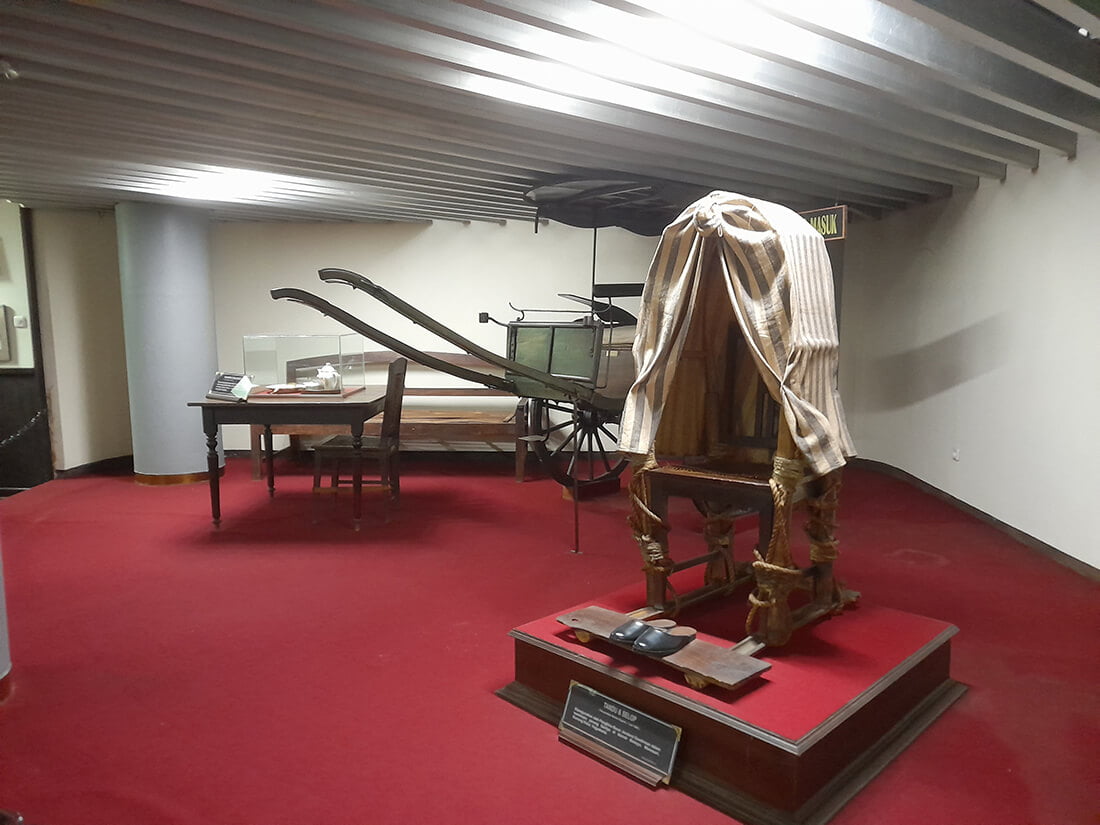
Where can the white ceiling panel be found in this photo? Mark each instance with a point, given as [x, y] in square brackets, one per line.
[435, 110]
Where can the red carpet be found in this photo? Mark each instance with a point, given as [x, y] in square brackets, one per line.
[275, 671]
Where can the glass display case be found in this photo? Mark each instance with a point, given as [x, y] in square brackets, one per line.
[305, 365]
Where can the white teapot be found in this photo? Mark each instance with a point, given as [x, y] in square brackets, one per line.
[329, 377]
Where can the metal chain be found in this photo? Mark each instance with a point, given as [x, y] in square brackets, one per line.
[23, 430]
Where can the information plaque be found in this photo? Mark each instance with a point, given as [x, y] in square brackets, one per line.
[632, 741]
[224, 385]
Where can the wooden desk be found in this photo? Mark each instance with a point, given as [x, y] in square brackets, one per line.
[349, 412]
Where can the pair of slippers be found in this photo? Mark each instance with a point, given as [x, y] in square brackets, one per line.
[658, 637]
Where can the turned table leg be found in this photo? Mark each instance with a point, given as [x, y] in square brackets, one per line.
[210, 427]
[269, 456]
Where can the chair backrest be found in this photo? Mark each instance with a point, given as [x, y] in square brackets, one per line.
[395, 393]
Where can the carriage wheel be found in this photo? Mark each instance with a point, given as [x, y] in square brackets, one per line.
[577, 443]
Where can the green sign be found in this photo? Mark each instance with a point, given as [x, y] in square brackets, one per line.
[832, 222]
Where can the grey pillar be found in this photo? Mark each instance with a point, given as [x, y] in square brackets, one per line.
[168, 321]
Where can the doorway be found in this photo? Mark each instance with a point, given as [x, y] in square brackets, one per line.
[26, 458]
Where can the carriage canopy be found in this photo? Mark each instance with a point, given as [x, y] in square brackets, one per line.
[736, 282]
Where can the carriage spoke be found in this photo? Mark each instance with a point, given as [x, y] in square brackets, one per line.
[591, 463]
[557, 450]
[609, 434]
[576, 444]
[603, 452]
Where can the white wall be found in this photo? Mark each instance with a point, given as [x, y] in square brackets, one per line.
[76, 257]
[971, 325]
[13, 287]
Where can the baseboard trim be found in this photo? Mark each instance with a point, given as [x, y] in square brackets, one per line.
[122, 465]
[1051, 552]
[150, 480]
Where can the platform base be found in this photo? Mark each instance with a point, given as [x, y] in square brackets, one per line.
[789, 748]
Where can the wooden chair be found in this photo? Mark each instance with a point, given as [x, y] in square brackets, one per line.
[385, 448]
[733, 480]
[722, 493]
[745, 460]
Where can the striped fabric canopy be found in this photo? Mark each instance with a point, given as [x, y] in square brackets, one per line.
[779, 282]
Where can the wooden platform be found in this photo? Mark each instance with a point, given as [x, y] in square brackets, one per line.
[702, 663]
[790, 746]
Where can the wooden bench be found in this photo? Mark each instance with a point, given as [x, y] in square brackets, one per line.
[443, 426]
